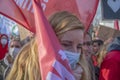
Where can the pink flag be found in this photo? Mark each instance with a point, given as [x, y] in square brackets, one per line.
[21, 11]
[53, 62]
[116, 25]
[84, 9]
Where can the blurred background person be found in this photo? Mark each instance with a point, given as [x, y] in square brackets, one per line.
[3, 45]
[87, 50]
[14, 48]
[3, 51]
[97, 44]
[100, 55]
[87, 45]
[103, 50]
[110, 67]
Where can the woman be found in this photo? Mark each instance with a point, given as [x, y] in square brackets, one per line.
[69, 31]
[14, 48]
[3, 45]
[87, 50]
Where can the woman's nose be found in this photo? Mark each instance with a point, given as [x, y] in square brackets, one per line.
[75, 49]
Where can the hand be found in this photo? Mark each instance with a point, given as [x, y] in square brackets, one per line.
[77, 72]
[10, 59]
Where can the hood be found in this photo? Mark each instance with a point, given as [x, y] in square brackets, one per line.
[115, 45]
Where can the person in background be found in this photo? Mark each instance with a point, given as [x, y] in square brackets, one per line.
[3, 51]
[97, 45]
[69, 31]
[103, 50]
[14, 48]
[3, 45]
[110, 67]
[87, 50]
[87, 45]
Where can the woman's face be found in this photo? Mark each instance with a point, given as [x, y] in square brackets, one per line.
[72, 40]
[87, 46]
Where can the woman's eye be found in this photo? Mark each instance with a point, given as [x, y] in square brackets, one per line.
[79, 46]
[65, 45]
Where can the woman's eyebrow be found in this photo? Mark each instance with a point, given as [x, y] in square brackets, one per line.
[66, 41]
[80, 44]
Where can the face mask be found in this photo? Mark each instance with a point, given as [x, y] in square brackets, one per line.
[73, 58]
[14, 51]
[4, 41]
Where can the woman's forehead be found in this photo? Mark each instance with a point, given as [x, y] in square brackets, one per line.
[73, 36]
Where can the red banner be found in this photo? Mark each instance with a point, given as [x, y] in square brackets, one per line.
[84, 9]
[21, 11]
[53, 62]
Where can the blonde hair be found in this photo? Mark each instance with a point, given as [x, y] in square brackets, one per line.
[103, 51]
[26, 65]
[101, 54]
[63, 22]
[86, 70]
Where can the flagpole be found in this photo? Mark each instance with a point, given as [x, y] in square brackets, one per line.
[116, 24]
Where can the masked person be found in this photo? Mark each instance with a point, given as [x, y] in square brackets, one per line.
[15, 46]
[69, 31]
[3, 45]
[14, 49]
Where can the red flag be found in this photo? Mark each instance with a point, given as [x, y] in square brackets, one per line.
[84, 9]
[116, 24]
[53, 63]
[20, 11]
[87, 10]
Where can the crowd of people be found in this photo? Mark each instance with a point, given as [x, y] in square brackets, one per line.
[89, 59]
